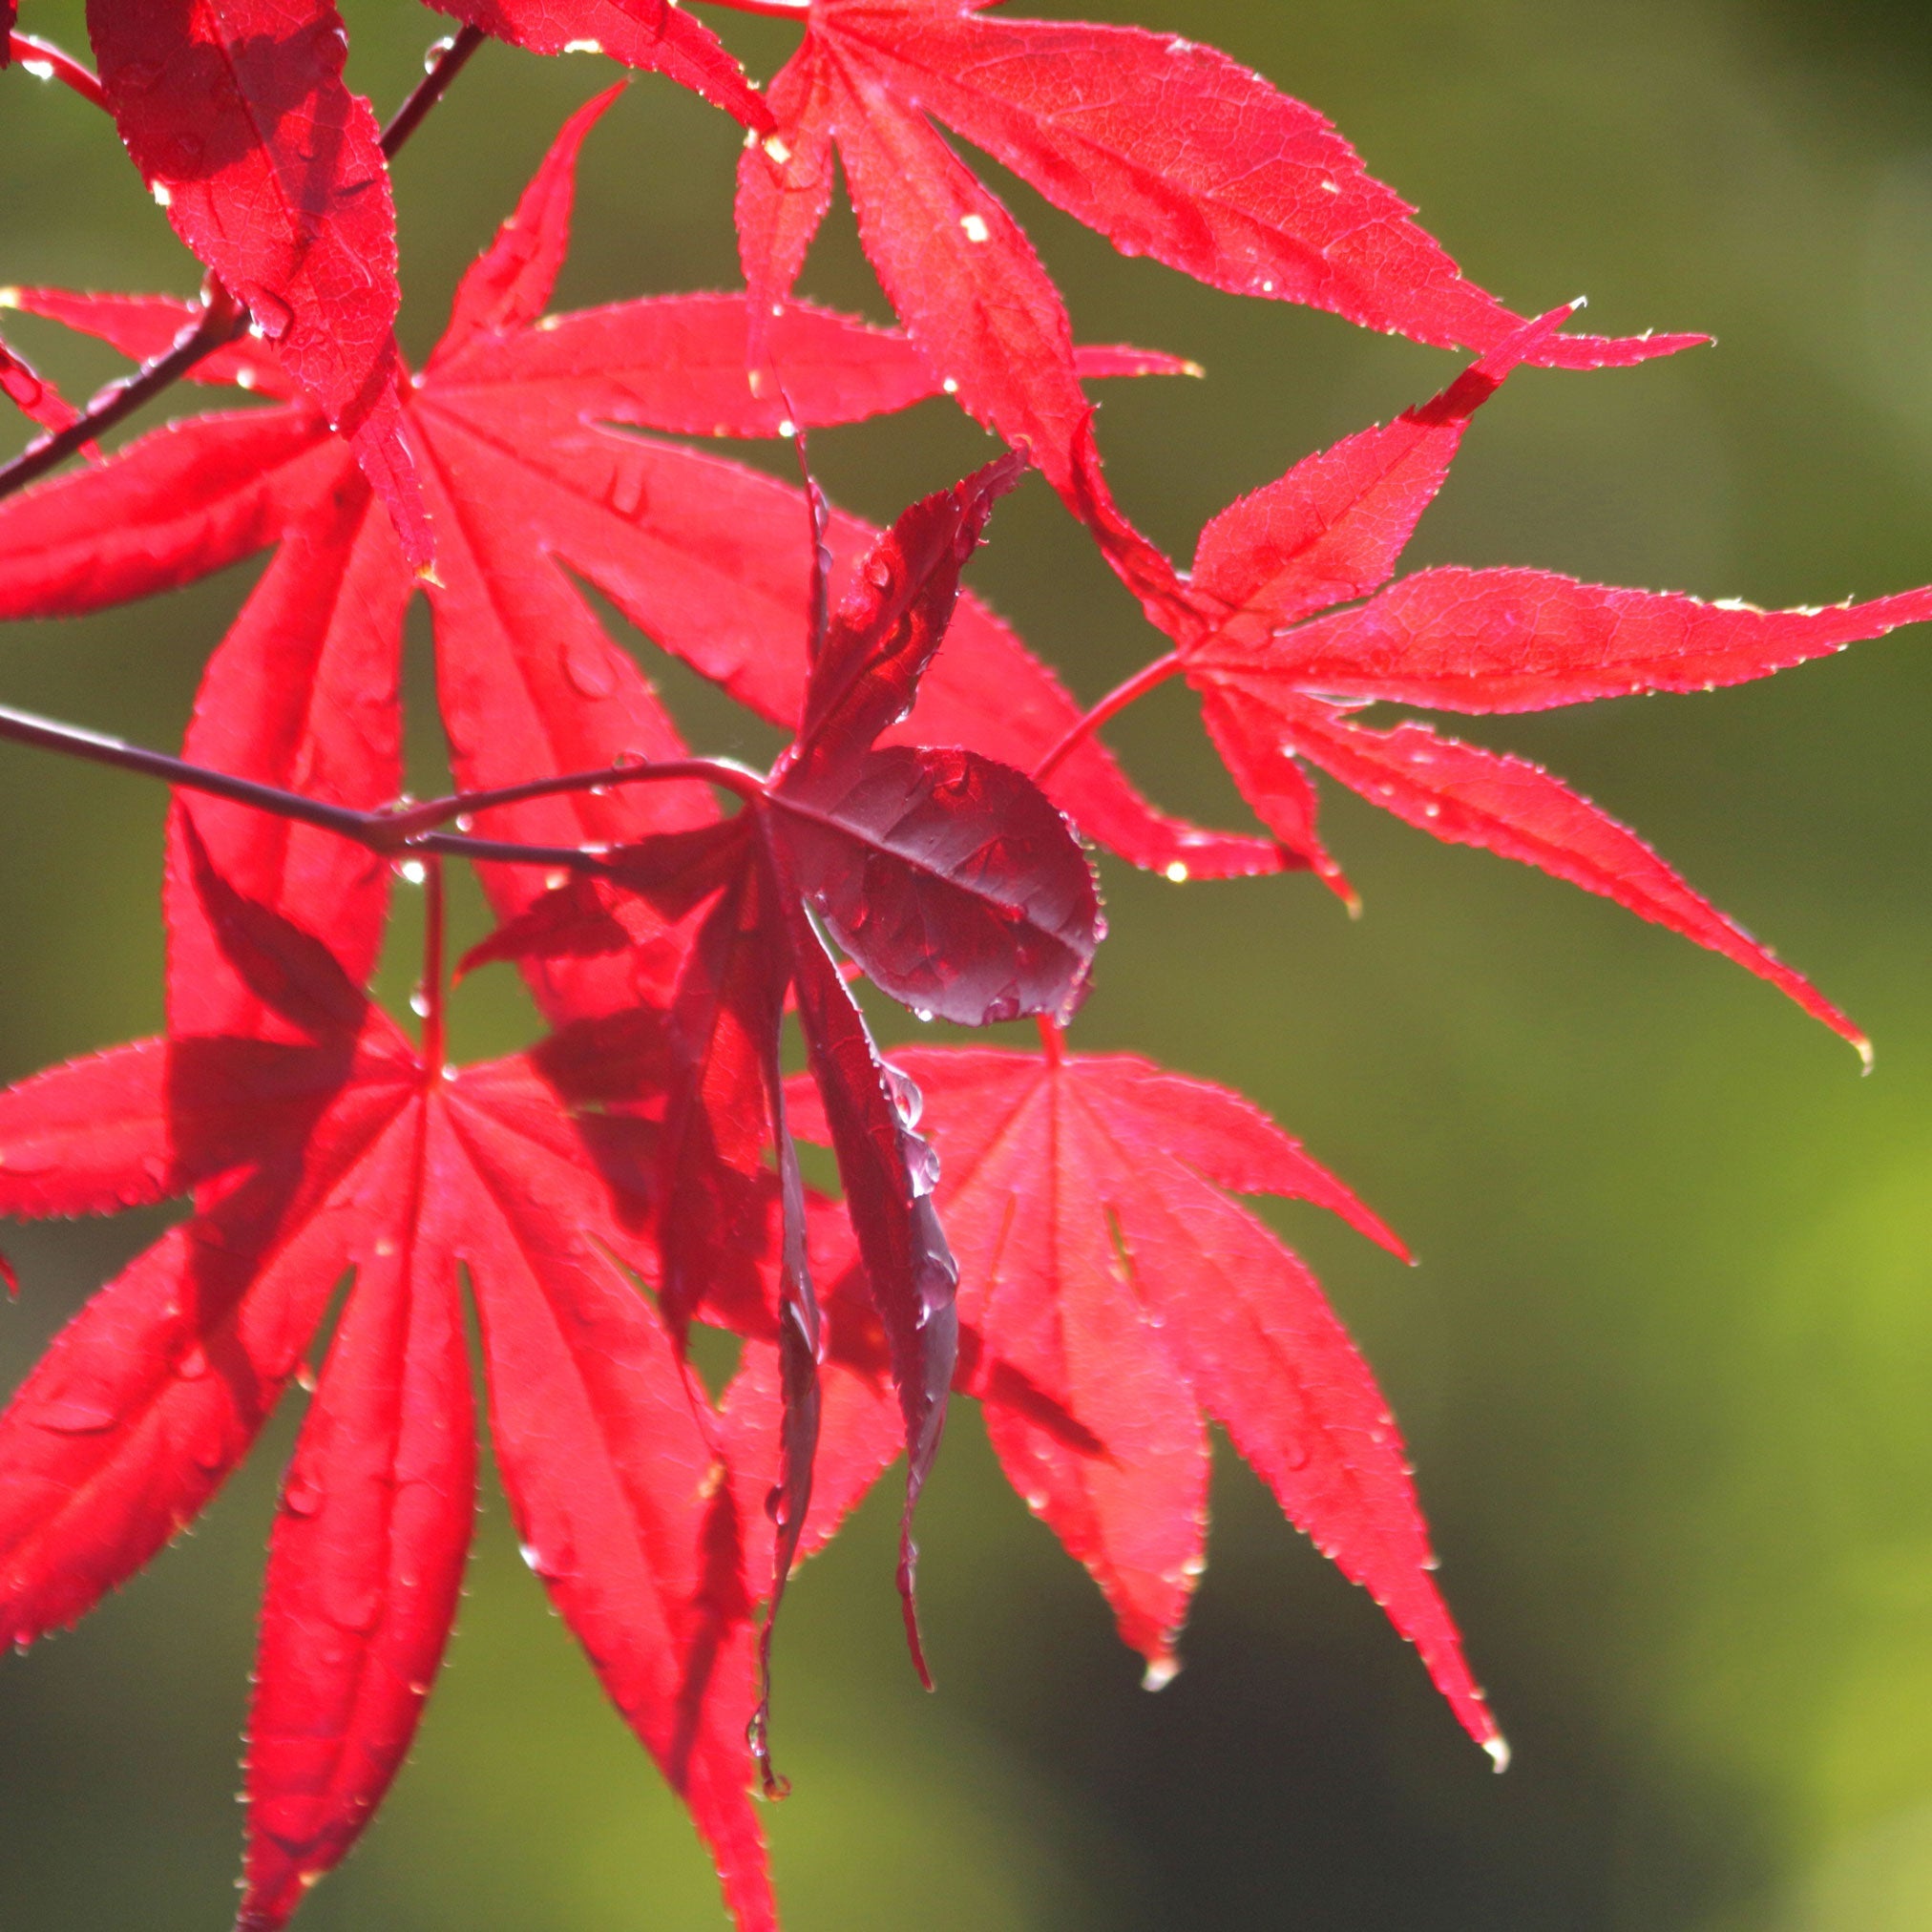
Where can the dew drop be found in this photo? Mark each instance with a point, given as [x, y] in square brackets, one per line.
[73, 1415]
[951, 385]
[162, 199]
[626, 494]
[300, 1495]
[419, 1003]
[974, 227]
[584, 46]
[1160, 1673]
[273, 317]
[587, 668]
[40, 70]
[354, 1609]
[413, 871]
[434, 53]
[1175, 872]
[191, 1364]
[922, 1168]
[923, 1014]
[908, 1101]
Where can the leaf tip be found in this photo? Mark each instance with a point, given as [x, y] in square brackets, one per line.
[1160, 1672]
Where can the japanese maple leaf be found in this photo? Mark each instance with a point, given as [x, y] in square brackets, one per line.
[271, 170]
[946, 876]
[1166, 148]
[1113, 1299]
[511, 417]
[1281, 685]
[652, 36]
[317, 1141]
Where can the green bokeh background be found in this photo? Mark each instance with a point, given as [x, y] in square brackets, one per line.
[1664, 1366]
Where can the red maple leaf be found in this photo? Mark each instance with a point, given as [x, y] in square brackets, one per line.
[1281, 685]
[1112, 1298]
[318, 1142]
[1168, 148]
[270, 169]
[512, 415]
[655, 36]
[951, 882]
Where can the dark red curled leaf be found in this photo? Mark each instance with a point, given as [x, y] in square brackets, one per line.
[886, 633]
[950, 879]
[889, 1173]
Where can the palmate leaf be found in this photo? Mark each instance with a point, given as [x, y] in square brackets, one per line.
[529, 483]
[946, 877]
[1281, 685]
[655, 36]
[1112, 1298]
[269, 168]
[1170, 149]
[337, 1147]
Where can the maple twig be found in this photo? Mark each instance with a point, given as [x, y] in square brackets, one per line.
[220, 321]
[223, 317]
[1117, 699]
[448, 59]
[45, 61]
[733, 777]
[394, 832]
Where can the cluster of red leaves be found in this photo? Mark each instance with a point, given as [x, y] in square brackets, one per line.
[1050, 1232]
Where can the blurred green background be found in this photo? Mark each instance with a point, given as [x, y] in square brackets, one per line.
[1665, 1369]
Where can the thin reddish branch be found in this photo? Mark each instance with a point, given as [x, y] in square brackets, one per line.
[448, 59]
[46, 61]
[395, 832]
[733, 777]
[1116, 701]
[221, 320]
[223, 317]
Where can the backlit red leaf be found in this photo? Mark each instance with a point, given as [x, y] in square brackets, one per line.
[1117, 1293]
[270, 169]
[654, 35]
